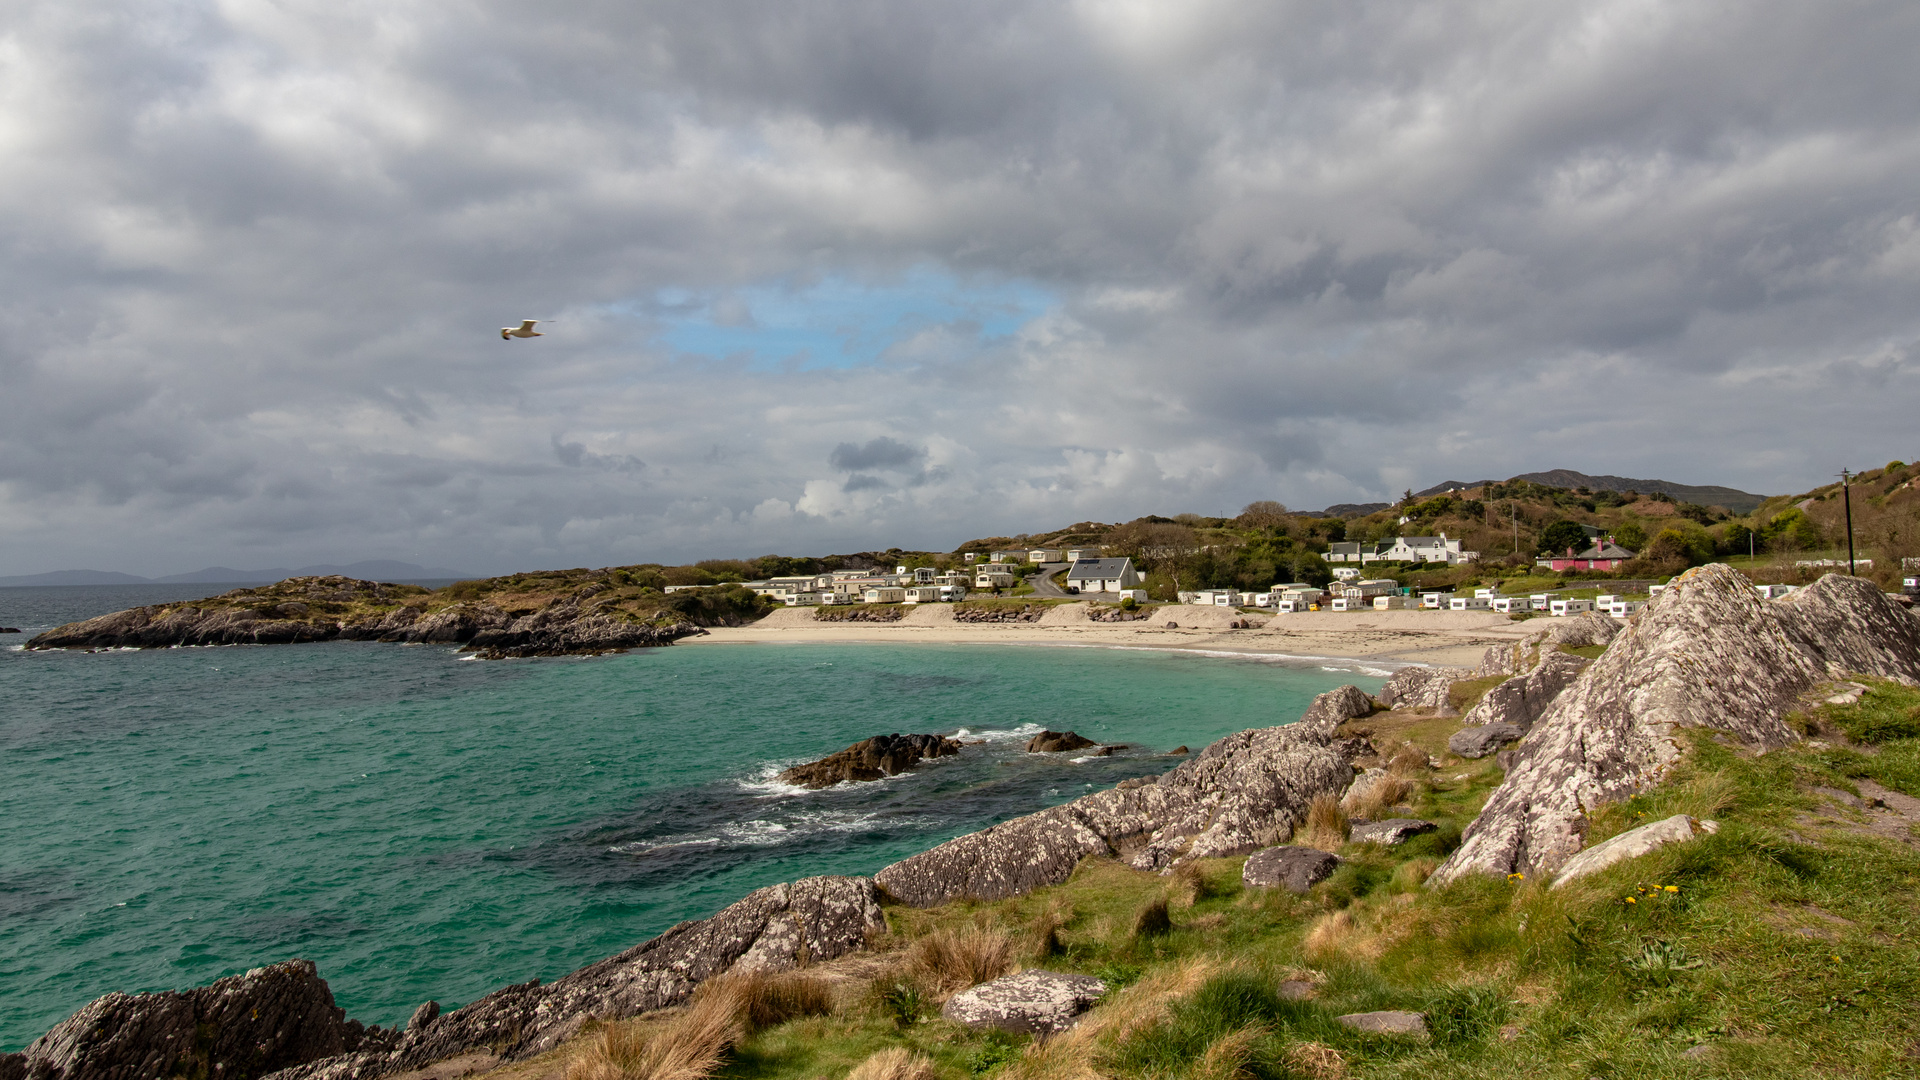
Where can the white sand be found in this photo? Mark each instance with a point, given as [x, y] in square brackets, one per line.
[1388, 638]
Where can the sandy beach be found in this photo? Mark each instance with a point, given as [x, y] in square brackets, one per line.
[1386, 638]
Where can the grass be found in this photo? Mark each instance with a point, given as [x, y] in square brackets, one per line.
[1784, 945]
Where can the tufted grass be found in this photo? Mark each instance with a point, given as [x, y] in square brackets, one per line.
[1785, 946]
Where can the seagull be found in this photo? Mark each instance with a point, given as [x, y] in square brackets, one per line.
[524, 330]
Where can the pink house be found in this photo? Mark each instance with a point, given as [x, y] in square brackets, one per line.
[1603, 555]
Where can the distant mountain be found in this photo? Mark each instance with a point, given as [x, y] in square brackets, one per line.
[370, 570]
[1346, 510]
[1738, 501]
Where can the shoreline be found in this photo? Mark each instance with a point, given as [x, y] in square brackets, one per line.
[1368, 638]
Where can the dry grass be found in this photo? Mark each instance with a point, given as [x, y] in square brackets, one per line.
[948, 961]
[1326, 826]
[1152, 920]
[1413, 873]
[1228, 1056]
[766, 999]
[1318, 1060]
[1330, 935]
[1044, 932]
[689, 1045]
[1070, 1055]
[1407, 762]
[895, 1063]
[1371, 801]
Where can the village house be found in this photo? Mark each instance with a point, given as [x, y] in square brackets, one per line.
[1428, 549]
[1102, 575]
[1602, 555]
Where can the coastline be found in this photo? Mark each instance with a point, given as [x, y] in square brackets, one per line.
[1392, 639]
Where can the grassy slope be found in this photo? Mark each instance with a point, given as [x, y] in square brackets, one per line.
[1784, 945]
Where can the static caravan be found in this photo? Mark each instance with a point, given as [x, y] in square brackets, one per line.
[1512, 605]
[1469, 603]
[1620, 609]
[1540, 601]
[886, 595]
[1604, 601]
[1433, 601]
[1772, 592]
[921, 594]
[1563, 608]
[1485, 594]
[1655, 590]
[1394, 603]
[1138, 596]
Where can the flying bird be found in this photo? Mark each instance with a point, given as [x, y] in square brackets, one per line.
[525, 329]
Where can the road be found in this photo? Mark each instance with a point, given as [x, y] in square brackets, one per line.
[1042, 582]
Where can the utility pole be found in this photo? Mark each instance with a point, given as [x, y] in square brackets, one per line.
[1846, 494]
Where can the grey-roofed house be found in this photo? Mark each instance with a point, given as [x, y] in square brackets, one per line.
[1102, 575]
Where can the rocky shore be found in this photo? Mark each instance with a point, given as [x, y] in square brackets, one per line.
[870, 759]
[1707, 653]
[313, 609]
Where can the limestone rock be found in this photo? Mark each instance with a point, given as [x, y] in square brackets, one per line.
[1296, 869]
[1587, 628]
[1632, 844]
[1478, 742]
[1242, 793]
[1389, 832]
[1706, 653]
[1036, 1002]
[1389, 1022]
[1520, 700]
[1421, 687]
[771, 929]
[1054, 742]
[240, 1027]
[870, 759]
[1297, 990]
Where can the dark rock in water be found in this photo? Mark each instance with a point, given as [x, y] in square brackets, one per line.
[773, 929]
[1706, 653]
[870, 759]
[1478, 742]
[1421, 687]
[1389, 832]
[1054, 742]
[1243, 793]
[9, 629]
[423, 1016]
[1178, 750]
[1033, 1001]
[1296, 869]
[241, 1027]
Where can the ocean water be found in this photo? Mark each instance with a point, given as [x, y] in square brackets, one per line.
[427, 826]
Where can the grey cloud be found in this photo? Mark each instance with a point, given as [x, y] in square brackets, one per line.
[254, 265]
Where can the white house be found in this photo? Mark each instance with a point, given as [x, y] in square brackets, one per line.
[1102, 575]
[1428, 549]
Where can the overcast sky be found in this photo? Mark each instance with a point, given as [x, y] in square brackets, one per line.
[827, 276]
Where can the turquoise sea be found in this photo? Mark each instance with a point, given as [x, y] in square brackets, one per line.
[426, 826]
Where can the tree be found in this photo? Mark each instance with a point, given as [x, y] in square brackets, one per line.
[1264, 514]
[1556, 538]
[1631, 536]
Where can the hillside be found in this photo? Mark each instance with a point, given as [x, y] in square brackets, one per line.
[1733, 499]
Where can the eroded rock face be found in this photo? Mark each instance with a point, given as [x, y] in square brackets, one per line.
[870, 759]
[1520, 700]
[1033, 1001]
[1705, 653]
[771, 929]
[1054, 742]
[1421, 687]
[1295, 869]
[1587, 628]
[243, 1026]
[1478, 742]
[1243, 793]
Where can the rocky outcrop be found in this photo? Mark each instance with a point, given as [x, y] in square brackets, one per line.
[1295, 869]
[1706, 653]
[1478, 742]
[1518, 658]
[1520, 700]
[1056, 742]
[1389, 832]
[1000, 613]
[1421, 687]
[1242, 793]
[870, 759]
[1033, 1002]
[573, 625]
[772, 929]
[240, 1027]
[1632, 844]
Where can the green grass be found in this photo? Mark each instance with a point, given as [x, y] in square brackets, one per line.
[1783, 945]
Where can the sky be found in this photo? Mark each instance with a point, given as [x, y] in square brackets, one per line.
[834, 275]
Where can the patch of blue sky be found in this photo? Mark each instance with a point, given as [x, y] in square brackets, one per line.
[842, 322]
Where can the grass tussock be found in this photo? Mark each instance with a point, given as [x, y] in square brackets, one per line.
[1408, 762]
[689, 1045]
[1152, 920]
[1373, 801]
[895, 1063]
[1326, 824]
[766, 999]
[946, 962]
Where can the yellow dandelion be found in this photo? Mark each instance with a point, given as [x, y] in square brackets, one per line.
[1632, 900]
[1673, 888]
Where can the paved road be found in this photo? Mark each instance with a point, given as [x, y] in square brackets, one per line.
[1042, 582]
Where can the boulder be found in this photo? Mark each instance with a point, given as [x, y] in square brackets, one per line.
[426, 1014]
[1034, 1002]
[1296, 869]
[1478, 742]
[1520, 700]
[1054, 742]
[870, 759]
[1518, 658]
[1389, 1022]
[1389, 832]
[1297, 990]
[1705, 653]
[1421, 687]
[1238, 795]
[241, 1027]
[772, 929]
[1632, 844]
